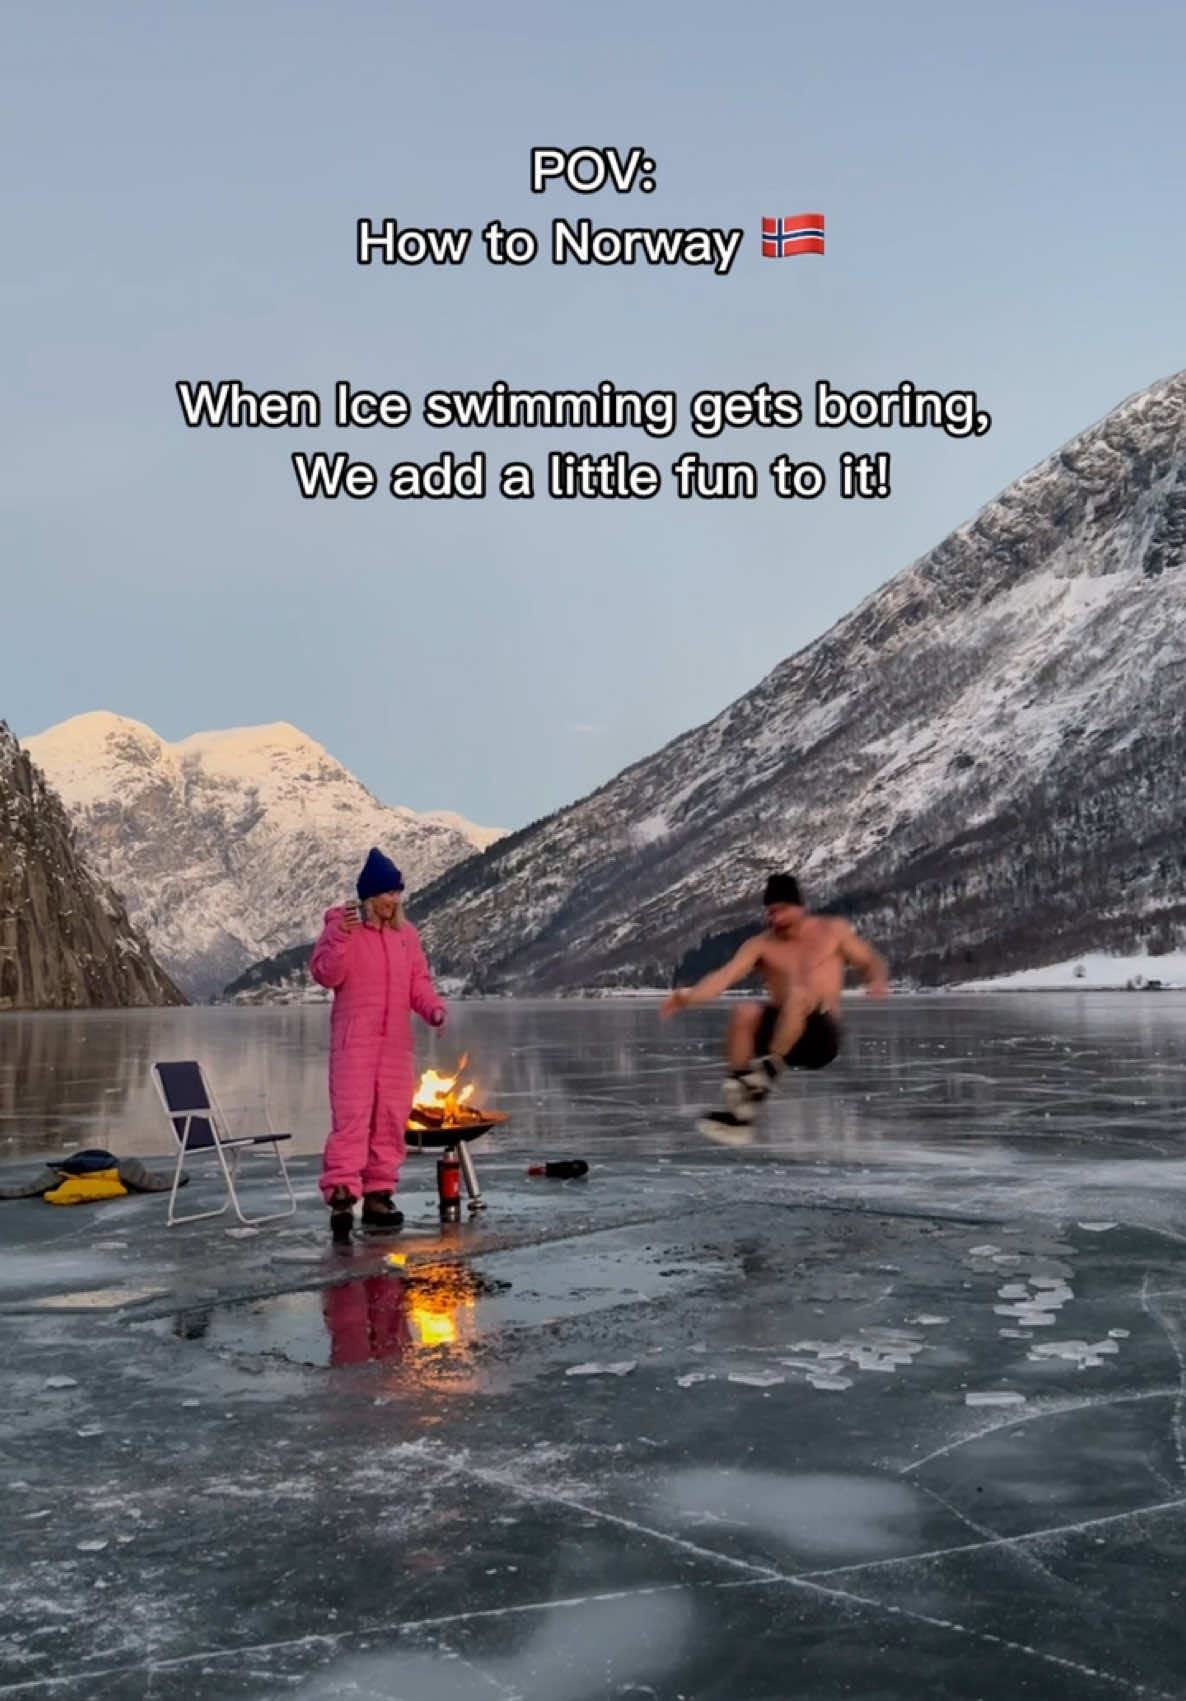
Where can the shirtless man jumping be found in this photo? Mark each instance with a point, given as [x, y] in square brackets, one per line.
[802, 958]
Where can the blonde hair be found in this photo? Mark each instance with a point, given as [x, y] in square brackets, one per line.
[397, 919]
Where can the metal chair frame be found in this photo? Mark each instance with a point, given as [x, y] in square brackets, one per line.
[207, 1122]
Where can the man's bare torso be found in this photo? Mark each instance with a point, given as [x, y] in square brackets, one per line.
[809, 965]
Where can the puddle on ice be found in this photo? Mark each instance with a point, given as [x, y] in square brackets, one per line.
[54, 1270]
[96, 1299]
[450, 1303]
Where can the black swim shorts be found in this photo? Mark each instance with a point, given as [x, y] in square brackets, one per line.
[816, 1046]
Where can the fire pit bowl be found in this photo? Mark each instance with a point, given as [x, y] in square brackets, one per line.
[441, 1120]
[431, 1136]
[428, 1129]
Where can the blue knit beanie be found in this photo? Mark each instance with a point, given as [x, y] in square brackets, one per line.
[379, 875]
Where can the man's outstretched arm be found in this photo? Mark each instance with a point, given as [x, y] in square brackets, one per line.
[872, 968]
[743, 963]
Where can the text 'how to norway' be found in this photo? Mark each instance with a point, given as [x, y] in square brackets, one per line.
[574, 242]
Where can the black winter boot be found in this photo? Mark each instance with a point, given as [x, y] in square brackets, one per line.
[379, 1212]
[341, 1213]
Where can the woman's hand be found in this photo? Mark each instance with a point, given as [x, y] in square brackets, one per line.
[675, 1000]
[438, 1017]
[350, 918]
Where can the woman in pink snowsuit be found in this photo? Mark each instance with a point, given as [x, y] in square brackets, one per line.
[374, 963]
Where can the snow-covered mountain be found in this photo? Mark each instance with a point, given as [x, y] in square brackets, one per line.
[227, 846]
[984, 764]
[65, 939]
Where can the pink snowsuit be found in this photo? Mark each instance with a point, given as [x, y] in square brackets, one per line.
[378, 976]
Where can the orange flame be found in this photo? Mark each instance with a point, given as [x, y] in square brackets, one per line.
[438, 1093]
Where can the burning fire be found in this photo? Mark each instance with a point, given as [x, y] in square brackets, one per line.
[438, 1094]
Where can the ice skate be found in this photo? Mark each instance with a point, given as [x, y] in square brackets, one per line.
[760, 1077]
[732, 1125]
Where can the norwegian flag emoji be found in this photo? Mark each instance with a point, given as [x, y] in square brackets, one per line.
[803, 234]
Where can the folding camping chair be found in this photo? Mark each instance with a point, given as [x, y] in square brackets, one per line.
[200, 1125]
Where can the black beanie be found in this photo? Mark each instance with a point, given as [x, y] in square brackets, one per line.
[379, 875]
[782, 889]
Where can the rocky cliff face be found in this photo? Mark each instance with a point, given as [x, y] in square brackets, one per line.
[65, 939]
[984, 764]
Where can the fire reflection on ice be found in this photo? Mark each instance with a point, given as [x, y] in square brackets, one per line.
[441, 1305]
[388, 1316]
[433, 1328]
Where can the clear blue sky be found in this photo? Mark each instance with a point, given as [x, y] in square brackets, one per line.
[1003, 194]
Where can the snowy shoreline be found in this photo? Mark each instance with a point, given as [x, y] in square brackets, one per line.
[1094, 971]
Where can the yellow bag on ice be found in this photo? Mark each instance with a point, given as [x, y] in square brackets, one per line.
[79, 1189]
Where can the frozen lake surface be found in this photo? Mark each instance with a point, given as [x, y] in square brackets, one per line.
[1096, 1072]
[891, 1404]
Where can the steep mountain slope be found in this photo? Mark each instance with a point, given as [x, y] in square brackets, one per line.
[982, 763]
[227, 846]
[65, 939]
